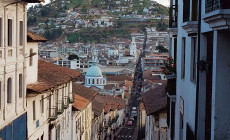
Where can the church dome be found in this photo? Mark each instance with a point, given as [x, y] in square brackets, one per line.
[94, 70]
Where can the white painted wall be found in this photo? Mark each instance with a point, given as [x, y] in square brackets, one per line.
[12, 62]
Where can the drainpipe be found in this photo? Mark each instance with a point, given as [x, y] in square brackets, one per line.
[198, 74]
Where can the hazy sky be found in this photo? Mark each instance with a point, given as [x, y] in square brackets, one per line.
[163, 2]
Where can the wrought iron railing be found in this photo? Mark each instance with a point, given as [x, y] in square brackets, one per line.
[66, 102]
[53, 113]
[60, 107]
[173, 13]
[212, 5]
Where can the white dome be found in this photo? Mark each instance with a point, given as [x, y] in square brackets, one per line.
[94, 71]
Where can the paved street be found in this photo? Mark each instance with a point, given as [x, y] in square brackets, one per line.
[126, 133]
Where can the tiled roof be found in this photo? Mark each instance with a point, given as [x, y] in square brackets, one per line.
[84, 92]
[32, 37]
[80, 103]
[119, 78]
[155, 100]
[110, 102]
[109, 86]
[50, 76]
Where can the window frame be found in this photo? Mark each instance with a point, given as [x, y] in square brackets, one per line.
[10, 32]
[21, 32]
[193, 59]
[9, 90]
[20, 78]
[34, 110]
[183, 57]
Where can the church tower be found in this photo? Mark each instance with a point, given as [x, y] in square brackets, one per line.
[133, 48]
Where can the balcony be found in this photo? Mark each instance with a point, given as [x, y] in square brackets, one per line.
[217, 14]
[191, 27]
[171, 86]
[173, 13]
[53, 113]
[60, 107]
[66, 102]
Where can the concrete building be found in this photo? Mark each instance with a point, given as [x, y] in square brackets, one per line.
[13, 67]
[154, 62]
[200, 46]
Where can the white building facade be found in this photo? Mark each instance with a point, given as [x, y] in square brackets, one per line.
[201, 48]
[94, 77]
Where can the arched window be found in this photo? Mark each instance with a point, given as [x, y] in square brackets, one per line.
[20, 85]
[9, 90]
[93, 82]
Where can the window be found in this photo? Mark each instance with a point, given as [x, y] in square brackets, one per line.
[193, 59]
[21, 34]
[183, 57]
[9, 90]
[42, 104]
[0, 32]
[10, 22]
[31, 57]
[186, 10]
[20, 85]
[34, 111]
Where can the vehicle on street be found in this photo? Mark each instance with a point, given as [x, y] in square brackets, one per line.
[129, 123]
[131, 118]
[134, 114]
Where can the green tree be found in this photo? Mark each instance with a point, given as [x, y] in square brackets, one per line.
[73, 56]
[161, 49]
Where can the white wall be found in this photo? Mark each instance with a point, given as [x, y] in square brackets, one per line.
[12, 62]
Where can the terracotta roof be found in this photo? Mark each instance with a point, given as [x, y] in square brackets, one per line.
[119, 78]
[84, 92]
[155, 100]
[50, 76]
[147, 74]
[80, 103]
[109, 86]
[110, 102]
[32, 37]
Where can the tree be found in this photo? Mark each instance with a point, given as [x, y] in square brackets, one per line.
[73, 56]
[161, 49]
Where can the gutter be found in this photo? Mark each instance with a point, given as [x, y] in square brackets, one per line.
[198, 74]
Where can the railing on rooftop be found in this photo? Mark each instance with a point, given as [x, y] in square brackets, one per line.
[212, 5]
[173, 13]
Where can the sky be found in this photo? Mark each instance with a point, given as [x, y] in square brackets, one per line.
[163, 2]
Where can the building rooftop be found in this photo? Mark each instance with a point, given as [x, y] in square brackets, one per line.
[50, 76]
[155, 100]
[94, 70]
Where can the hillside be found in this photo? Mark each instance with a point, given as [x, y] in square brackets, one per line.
[105, 19]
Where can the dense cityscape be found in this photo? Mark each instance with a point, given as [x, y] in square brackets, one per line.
[114, 70]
